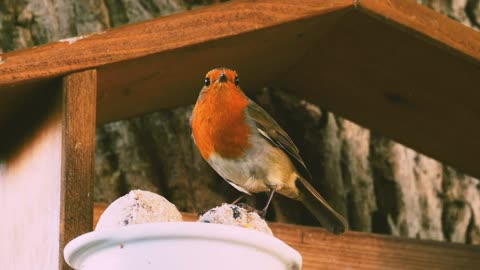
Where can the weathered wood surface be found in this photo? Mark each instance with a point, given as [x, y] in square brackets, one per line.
[230, 19]
[353, 250]
[78, 148]
[155, 36]
[408, 15]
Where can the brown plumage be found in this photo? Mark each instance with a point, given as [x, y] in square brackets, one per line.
[250, 150]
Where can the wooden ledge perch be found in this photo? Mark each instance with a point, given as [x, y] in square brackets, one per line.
[354, 250]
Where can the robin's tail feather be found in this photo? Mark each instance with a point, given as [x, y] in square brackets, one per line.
[320, 208]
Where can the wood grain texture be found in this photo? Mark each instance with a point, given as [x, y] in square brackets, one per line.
[413, 91]
[432, 26]
[124, 82]
[354, 250]
[79, 114]
[162, 34]
[30, 183]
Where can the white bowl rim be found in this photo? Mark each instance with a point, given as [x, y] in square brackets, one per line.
[83, 245]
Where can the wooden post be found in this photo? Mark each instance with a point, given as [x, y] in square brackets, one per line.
[79, 114]
[46, 173]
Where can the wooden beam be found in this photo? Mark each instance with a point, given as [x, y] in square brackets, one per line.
[432, 26]
[79, 107]
[355, 250]
[158, 35]
[228, 19]
[424, 97]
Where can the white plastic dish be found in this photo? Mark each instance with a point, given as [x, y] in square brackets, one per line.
[180, 245]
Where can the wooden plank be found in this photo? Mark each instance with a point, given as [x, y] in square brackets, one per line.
[415, 92]
[159, 35]
[230, 19]
[30, 177]
[79, 106]
[355, 250]
[432, 26]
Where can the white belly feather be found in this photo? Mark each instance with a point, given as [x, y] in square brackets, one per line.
[262, 166]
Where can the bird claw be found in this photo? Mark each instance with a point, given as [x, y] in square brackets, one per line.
[246, 207]
[261, 213]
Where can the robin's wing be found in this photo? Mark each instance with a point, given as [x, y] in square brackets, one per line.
[277, 136]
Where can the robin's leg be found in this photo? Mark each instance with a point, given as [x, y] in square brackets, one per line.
[243, 205]
[248, 208]
[263, 213]
[239, 198]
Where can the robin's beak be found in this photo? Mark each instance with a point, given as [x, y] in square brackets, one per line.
[222, 77]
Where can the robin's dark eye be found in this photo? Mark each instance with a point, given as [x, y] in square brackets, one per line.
[207, 81]
[237, 80]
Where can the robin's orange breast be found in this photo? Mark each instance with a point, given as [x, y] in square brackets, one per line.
[219, 125]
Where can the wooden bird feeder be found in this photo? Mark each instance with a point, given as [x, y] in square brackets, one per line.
[393, 66]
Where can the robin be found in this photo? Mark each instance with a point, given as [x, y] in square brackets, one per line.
[245, 146]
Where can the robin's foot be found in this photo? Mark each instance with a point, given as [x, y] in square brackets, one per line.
[261, 213]
[247, 207]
